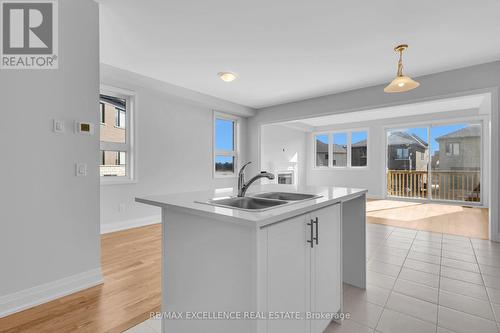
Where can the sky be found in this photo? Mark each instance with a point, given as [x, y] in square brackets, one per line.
[223, 134]
[436, 132]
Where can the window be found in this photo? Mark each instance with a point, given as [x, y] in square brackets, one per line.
[453, 149]
[339, 150]
[359, 149]
[347, 149]
[456, 170]
[402, 153]
[116, 136]
[120, 118]
[439, 161]
[103, 113]
[322, 150]
[225, 145]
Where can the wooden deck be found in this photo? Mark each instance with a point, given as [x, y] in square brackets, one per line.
[448, 219]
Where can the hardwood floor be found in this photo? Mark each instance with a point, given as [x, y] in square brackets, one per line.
[131, 264]
[448, 219]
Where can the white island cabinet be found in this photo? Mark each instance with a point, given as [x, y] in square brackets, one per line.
[300, 270]
[278, 270]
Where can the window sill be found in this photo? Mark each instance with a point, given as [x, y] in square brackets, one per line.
[232, 175]
[360, 168]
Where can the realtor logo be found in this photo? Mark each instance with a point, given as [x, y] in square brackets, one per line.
[29, 34]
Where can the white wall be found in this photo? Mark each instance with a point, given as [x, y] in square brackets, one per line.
[49, 218]
[480, 78]
[373, 177]
[283, 148]
[173, 147]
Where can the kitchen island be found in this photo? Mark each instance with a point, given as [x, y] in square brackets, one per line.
[278, 269]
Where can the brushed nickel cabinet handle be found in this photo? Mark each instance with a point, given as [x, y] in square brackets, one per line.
[316, 222]
[311, 229]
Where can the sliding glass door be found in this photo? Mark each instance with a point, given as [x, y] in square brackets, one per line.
[456, 162]
[407, 162]
[437, 162]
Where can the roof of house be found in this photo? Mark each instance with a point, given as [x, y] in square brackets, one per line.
[466, 132]
[404, 138]
[115, 101]
[322, 147]
[339, 149]
[362, 143]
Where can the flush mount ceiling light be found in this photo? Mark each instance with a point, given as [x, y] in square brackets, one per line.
[402, 82]
[227, 76]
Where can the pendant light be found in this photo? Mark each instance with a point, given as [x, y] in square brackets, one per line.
[402, 82]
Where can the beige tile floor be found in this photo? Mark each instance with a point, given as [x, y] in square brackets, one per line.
[419, 281]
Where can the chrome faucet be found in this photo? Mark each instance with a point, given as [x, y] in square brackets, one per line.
[242, 186]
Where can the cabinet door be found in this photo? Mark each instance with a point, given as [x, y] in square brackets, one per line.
[326, 265]
[288, 273]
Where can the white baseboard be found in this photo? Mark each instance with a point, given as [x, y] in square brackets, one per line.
[46, 292]
[129, 224]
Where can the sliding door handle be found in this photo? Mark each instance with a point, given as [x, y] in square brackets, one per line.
[311, 239]
[316, 222]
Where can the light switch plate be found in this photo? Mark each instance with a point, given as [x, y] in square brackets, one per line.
[58, 126]
[81, 169]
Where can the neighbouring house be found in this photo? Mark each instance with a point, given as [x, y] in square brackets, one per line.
[112, 129]
[407, 151]
[460, 150]
[321, 153]
[339, 154]
[456, 173]
[359, 153]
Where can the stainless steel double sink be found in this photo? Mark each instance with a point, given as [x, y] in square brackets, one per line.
[262, 201]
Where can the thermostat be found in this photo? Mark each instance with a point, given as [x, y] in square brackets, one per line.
[84, 128]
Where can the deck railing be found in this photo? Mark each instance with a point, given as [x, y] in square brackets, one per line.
[444, 185]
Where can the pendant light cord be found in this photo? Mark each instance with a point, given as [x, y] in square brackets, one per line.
[400, 63]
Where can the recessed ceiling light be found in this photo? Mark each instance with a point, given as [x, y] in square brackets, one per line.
[402, 82]
[227, 76]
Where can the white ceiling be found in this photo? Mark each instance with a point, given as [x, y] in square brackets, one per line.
[287, 50]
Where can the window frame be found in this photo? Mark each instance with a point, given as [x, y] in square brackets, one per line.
[348, 132]
[235, 153]
[102, 111]
[129, 146]
[118, 123]
[402, 157]
[452, 151]
[330, 157]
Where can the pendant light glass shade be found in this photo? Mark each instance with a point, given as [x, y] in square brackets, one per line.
[402, 82]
